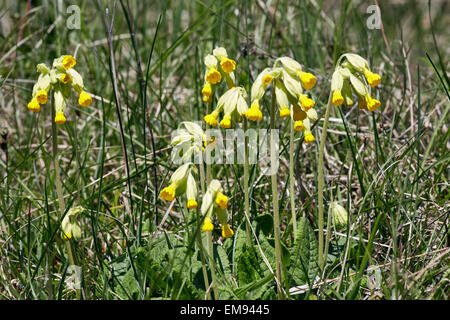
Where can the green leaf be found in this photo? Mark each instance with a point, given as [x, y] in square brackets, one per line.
[304, 266]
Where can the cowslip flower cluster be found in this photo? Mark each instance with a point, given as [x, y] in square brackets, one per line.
[233, 103]
[218, 67]
[59, 79]
[215, 202]
[348, 77]
[187, 141]
[289, 80]
[182, 182]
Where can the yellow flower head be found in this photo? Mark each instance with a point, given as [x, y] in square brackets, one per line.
[207, 90]
[221, 200]
[226, 121]
[65, 78]
[373, 79]
[226, 231]
[228, 65]
[207, 225]
[68, 62]
[309, 138]
[213, 76]
[60, 118]
[168, 193]
[192, 204]
[211, 119]
[254, 113]
[306, 102]
[34, 106]
[267, 79]
[372, 104]
[42, 97]
[337, 98]
[298, 125]
[308, 80]
[84, 99]
[285, 112]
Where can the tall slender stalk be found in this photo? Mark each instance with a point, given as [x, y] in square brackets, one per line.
[212, 264]
[291, 179]
[62, 208]
[246, 197]
[321, 182]
[199, 231]
[276, 215]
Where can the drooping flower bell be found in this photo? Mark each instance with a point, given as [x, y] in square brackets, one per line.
[182, 182]
[233, 103]
[218, 67]
[347, 78]
[69, 225]
[215, 202]
[59, 79]
[187, 140]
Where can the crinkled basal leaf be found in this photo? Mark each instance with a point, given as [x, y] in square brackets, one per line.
[304, 255]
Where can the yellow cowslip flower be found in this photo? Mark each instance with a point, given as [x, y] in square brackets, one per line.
[207, 225]
[337, 98]
[267, 79]
[306, 102]
[298, 125]
[213, 76]
[84, 99]
[226, 121]
[41, 97]
[178, 183]
[65, 78]
[206, 91]
[285, 112]
[233, 103]
[215, 202]
[282, 99]
[69, 225]
[308, 79]
[372, 78]
[228, 65]
[371, 103]
[34, 106]
[168, 193]
[60, 118]
[68, 62]
[254, 113]
[360, 64]
[192, 204]
[211, 118]
[309, 138]
[226, 231]
[339, 214]
[221, 200]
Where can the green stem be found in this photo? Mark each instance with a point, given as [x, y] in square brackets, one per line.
[292, 179]
[321, 182]
[246, 197]
[276, 216]
[212, 264]
[58, 181]
[199, 231]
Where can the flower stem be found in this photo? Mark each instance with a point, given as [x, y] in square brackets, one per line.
[321, 182]
[58, 182]
[292, 179]
[199, 231]
[246, 197]
[276, 216]
[212, 264]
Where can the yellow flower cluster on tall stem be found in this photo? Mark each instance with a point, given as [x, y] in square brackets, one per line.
[59, 79]
[352, 75]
